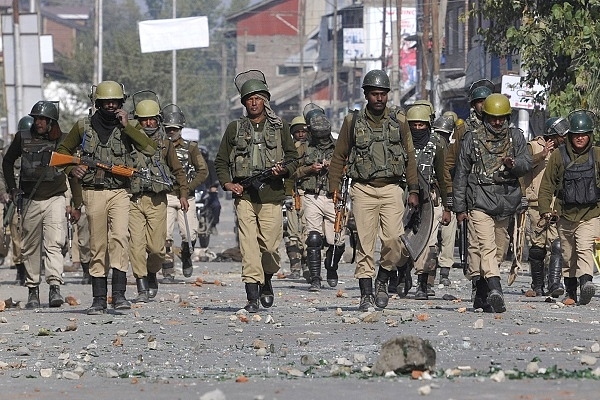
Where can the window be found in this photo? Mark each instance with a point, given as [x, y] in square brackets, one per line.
[250, 48]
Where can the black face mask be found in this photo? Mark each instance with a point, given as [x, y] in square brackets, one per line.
[420, 137]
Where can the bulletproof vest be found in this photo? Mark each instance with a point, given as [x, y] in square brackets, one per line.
[35, 157]
[254, 150]
[425, 156]
[114, 152]
[377, 152]
[183, 154]
[579, 181]
[313, 155]
[487, 157]
[154, 167]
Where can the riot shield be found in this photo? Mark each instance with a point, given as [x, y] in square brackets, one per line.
[418, 222]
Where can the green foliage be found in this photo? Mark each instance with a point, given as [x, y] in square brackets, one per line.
[558, 42]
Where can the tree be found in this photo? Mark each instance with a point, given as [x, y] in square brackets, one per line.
[558, 42]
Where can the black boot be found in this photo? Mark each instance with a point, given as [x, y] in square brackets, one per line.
[86, 279]
[392, 281]
[186, 260]
[252, 294]
[142, 288]
[332, 275]
[555, 286]
[495, 296]
[381, 284]
[266, 292]
[314, 241]
[33, 300]
[430, 283]
[404, 281]
[21, 274]
[119, 285]
[295, 256]
[571, 289]
[152, 285]
[587, 289]
[54, 297]
[366, 294]
[445, 276]
[480, 291]
[536, 264]
[421, 293]
[99, 292]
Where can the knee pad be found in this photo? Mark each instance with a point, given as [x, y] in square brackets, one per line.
[537, 253]
[314, 239]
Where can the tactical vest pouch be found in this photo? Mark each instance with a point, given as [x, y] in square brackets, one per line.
[579, 182]
[35, 159]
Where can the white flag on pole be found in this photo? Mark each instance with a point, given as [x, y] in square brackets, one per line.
[173, 34]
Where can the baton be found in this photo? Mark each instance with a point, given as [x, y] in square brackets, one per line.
[187, 230]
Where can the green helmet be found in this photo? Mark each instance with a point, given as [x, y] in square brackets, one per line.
[480, 93]
[427, 104]
[496, 105]
[173, 116]
[377, 79]
[581, 121]
[418, 112]
[444, 124]
[146, 109]
[452, 114]
[298, 124]
[25, 123]
[556, 126]
[252, 86]
[44, 109]
[109, 90]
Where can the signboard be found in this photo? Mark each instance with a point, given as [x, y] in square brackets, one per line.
[173, 34]
[521, 95]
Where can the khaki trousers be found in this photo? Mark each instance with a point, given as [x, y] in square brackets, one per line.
[296, 228]
[577, 245]
[147, 233]
[260, 233]
[446, 257]
[176, 214]
[108, 218]
[378, 210]
[319, 214]
[16, 241]
[44, 224]
[81, 239]
[426, 261]
[488, 239]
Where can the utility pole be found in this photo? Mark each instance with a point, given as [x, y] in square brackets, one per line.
[425, 50]
[396, 71]
[435, 77]
[224, 101]
[174, 63]
[18, 66]
[98, 44]
[383, 59]
[334, 116]
[301, 34]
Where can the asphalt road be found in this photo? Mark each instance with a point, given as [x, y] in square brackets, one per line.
[192, 340]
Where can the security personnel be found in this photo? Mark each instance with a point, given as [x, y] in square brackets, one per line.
[572, 173]
[250, 145]
[148, 206]
[543, 236]
[294, 233]
[43, 214]
[376, 145]
[445, 126]
[487, 192]
[319, 208]
[109, 137]
[24, 124]
[196, 172]
[477, 96]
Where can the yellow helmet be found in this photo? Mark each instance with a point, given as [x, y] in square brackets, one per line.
[297, 124]
[496, 105]
[418, 113]
[146, 109]
[109, 90]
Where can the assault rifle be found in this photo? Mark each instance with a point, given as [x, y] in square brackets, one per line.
[257, 180]
[339, 202]
[58, 159]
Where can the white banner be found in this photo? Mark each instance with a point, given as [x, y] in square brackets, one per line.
[173, 34]
[521, 95]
